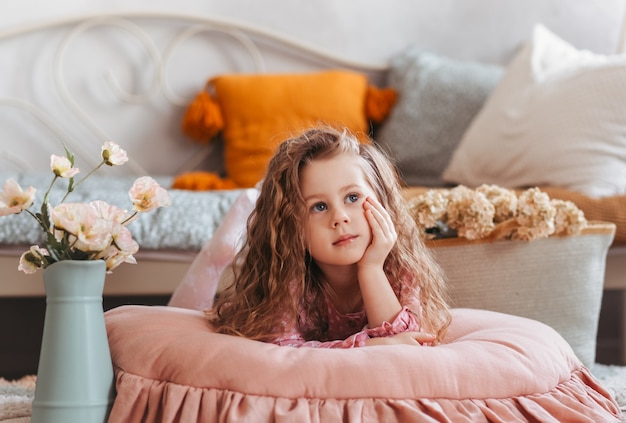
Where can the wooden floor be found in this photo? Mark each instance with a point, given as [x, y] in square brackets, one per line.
[21, 327]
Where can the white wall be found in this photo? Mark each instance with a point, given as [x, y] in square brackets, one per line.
[371, 29]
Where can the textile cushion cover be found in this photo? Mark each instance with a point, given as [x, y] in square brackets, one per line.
[200, 284]
[556, 118]
[261, 110]
[170, 367]
[437, 99]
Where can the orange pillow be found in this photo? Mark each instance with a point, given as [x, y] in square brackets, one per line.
[258, 111]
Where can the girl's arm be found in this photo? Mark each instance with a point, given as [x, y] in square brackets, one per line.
[404, 329]
[295, 339]
[379, 299]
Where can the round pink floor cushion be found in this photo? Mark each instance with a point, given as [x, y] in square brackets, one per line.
[171, 367]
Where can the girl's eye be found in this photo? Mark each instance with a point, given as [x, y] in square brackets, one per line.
[353, 198]
[319, 207]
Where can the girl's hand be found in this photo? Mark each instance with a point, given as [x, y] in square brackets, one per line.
[383, 234]
[379, 299]
[407, 338]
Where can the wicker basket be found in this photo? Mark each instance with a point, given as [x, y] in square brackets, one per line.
[557, 280]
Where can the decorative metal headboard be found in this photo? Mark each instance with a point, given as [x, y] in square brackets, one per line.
[159, 37]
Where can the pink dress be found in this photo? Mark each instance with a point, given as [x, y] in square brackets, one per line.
[349, 330]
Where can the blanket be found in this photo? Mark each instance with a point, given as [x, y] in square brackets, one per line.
[187, 224]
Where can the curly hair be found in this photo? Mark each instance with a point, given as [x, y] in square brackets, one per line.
[276, 278]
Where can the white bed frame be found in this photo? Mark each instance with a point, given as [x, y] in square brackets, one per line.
[86, 76]
[148, 113]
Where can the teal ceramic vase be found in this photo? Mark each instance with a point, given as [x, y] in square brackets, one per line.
[75, 373]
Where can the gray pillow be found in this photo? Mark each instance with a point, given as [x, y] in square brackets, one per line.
[437, 99]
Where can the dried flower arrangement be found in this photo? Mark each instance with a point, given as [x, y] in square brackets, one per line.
[491, 211]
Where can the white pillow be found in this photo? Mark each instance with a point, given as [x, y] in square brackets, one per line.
[557, 117]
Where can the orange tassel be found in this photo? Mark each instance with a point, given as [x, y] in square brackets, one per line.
[379, 102]
[202, 181]
[203, 118]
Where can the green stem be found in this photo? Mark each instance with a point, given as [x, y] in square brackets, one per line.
[71, 187]
[47, 194]
[66, 253]
[35, 217]
[129, 218]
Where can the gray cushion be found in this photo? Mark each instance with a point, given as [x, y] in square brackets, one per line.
[437, 99]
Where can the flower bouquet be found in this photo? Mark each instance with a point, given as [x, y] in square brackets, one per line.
[493, 212]
[82, 231]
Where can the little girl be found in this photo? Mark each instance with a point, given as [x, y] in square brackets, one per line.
[332, 258]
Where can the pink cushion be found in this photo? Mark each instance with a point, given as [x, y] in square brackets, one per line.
[200, 283]
[171, 367]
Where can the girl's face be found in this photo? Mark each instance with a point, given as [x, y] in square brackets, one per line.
[334, 190]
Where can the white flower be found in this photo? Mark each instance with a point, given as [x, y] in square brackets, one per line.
[62, 166]
[33, 259]
[81, 225]
[113, 257]
[123, 240]
[113, 155]
[569, 219]
[535, 215]
[470, 213]
[109, 212]
[429, 208]
[13, 199]
[146, 194]
[504, 200]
